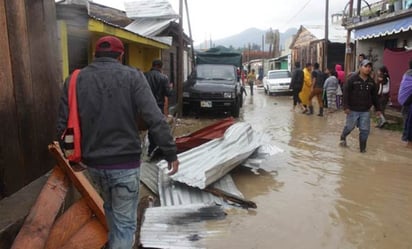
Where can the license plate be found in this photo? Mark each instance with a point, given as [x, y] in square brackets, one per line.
[207, 104]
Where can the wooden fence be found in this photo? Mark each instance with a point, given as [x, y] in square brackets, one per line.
[30, 78]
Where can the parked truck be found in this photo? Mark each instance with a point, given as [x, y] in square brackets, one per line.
[213, 85]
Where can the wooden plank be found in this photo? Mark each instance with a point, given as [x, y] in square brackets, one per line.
[68, 224]
[46, 78]
[92, 235]
[36, 227]
[82, 184]
[11, 163]
[23, 88]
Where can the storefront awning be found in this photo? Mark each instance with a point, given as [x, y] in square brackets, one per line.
[384, 29]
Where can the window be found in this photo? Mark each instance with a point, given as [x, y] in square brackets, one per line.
[392, 43]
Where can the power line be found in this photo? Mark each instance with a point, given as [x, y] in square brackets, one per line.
[301, 9]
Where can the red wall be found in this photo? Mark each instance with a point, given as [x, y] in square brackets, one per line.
[397, 63]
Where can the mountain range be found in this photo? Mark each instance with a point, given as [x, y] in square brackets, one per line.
[252, 36]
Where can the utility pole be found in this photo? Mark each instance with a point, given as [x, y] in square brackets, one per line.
[180, 62]
[348, 50]
[190, 33]
[325, 52]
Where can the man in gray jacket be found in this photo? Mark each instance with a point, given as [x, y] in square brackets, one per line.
[161, 89]
[110, 96]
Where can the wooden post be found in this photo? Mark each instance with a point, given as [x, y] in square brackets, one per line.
[348, 50]
[180, 62]
[325, 53]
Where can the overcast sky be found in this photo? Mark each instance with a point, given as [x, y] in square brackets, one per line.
[217, 19]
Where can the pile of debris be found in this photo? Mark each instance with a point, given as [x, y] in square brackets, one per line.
[203, 188]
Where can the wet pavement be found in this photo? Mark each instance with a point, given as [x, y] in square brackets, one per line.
[318, 195]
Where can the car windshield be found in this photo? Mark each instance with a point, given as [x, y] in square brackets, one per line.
[279, 74]
[215, 72]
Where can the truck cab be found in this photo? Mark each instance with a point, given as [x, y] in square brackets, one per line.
[213, 85]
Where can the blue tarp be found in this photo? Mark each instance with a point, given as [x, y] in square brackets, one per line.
[384, 29]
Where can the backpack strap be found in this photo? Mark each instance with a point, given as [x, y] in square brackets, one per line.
[73, 120]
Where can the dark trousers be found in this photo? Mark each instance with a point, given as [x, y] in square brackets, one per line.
[251, 87]
[296, 99]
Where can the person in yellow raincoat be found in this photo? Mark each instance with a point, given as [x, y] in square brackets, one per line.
[307, 86]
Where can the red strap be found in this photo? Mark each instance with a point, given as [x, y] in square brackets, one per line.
[73, 121]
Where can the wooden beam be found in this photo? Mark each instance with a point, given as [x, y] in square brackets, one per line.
[92, 235]
[68, 224]
[36, 227]
[82, 184]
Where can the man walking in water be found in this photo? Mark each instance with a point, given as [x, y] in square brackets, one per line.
[359, 93]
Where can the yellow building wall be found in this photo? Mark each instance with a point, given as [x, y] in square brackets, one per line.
[62, 34]
[137, 56]
[141, 57]
[140, 52]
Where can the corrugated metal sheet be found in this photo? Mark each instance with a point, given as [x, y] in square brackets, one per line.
[207, 163]
[180, 222]
[148, 27]
[149, 8]
[174, 193]
[181, 226]
[336, 33]
[149, 175]
[256, 160]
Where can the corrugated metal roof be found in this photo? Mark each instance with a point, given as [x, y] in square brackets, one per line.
[151, 17]
[256, 160]
[174, 193]
[182, 226]
[337, 33]
[149, 8]
[180, 222]
[207, 163]
[149, 27]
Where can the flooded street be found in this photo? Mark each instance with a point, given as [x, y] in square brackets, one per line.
[319, 195]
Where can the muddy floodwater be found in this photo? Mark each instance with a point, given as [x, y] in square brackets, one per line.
[317, 194]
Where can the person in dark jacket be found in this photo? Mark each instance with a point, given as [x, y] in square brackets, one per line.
[296, 85]
[359, 94]
[161, 89]
[110, 96]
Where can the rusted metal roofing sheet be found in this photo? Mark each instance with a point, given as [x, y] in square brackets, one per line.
[203, 135]
[207, 163]
[182, 226]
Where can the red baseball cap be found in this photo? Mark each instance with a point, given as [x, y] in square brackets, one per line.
[109, 44]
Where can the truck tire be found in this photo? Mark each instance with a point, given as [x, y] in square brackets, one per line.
[236, 109]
